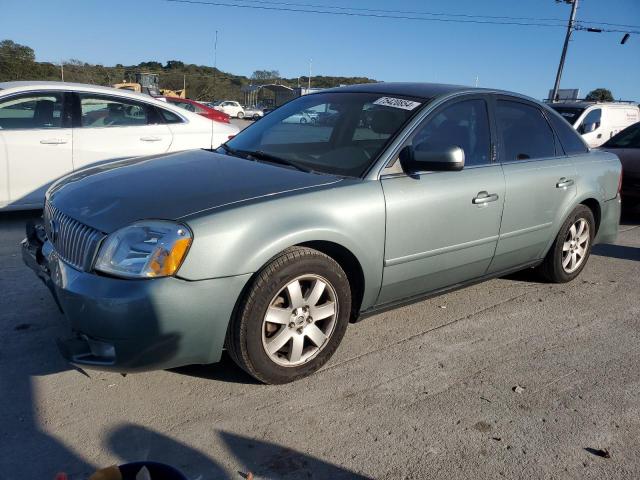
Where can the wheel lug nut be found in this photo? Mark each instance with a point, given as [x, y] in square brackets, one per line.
[292, 324]
[300, 330]
[309, 320]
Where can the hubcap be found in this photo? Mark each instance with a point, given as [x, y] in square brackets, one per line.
[299, 320]
[575, 246]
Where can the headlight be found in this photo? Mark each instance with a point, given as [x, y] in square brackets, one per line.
[145, 249]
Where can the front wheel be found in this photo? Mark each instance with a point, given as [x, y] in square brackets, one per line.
[570, 251]
[240, 115]
[292, 317]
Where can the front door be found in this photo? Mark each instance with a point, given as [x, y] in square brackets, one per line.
[540, 183]
[116, 127]
[36, 143]
[442, 227]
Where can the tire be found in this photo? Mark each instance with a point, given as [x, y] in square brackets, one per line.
[256, 116]
[303, 120]
[556, 267]
[240, 115]
[283, 351]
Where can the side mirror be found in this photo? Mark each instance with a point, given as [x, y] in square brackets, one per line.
[588, 127]
[449, 159]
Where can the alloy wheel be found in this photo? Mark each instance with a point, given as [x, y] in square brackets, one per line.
[300, 320]
[575, 246]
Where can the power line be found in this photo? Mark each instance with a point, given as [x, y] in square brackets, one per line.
[358, 14]
[390, 14]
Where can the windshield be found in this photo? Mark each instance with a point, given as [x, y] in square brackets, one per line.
[570, 114]
[337, 133]
[627, 138]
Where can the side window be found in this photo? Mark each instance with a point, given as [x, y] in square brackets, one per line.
[464, 124]
[591, 122]
[569, 138]
[98, 111]
[525, 132]
[169, 117]
[32, 111]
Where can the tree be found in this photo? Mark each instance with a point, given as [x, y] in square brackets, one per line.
[600, 95]
[265, 76]
[16, 61]
[174, 65]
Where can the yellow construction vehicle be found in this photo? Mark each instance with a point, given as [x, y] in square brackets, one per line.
[149, 83]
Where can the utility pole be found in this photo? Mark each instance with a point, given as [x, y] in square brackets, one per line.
[570, 26]
[62, 71]
[309, 84]
[215, 63]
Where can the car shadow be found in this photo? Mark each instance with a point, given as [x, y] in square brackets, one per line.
[225, 370]
[269, 460]
[617, 251]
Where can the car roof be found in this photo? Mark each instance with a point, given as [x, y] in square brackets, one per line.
[419, 89]
[585, 104]
[423, 90]
[37, 85]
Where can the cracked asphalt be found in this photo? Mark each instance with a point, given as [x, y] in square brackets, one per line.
[510, 378]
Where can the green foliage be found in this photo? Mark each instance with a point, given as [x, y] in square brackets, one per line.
[600, 95]
[17, 62]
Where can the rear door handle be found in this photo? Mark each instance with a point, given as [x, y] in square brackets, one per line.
[564, 183]
[53, 141]
[484, 198]
[150, 139]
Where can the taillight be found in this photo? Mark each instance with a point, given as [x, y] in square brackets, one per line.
[620, 183]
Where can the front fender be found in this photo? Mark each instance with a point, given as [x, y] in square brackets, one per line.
[243, 238]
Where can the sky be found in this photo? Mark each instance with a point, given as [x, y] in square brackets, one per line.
[512, 57]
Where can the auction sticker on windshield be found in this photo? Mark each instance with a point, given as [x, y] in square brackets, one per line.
[396, 103]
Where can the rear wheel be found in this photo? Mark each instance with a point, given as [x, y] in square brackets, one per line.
[570, 251]
[292, 318]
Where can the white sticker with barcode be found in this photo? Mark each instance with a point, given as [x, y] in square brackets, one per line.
[396, 103]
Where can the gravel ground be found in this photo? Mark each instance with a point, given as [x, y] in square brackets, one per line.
[509, 378]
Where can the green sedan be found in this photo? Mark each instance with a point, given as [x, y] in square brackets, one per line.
[271, 245]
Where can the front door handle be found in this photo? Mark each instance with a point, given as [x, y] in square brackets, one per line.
[150, 139]
[564, 183]
[53, 141]
[484, 198]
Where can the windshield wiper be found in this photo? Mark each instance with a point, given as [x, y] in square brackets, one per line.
[232, 151]
[260, 155]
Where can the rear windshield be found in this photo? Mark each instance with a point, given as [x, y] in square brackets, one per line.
[339, 133]
[570, 114]
[627, 138]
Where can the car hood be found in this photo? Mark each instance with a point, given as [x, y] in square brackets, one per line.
[112, 195]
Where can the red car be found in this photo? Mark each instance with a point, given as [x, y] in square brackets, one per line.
[197, 107]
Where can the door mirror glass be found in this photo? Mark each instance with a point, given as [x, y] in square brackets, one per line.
[588, 127]
[447, 159]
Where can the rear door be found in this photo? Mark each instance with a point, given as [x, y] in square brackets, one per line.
[110, 127]
[442, 227]
[540, 182]
[35, 145]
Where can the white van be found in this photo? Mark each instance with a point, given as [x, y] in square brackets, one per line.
[598, 122]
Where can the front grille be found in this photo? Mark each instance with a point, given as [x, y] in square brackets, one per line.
[74, 242]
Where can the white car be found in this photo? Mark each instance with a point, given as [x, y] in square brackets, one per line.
[231, 108]
[48, 129]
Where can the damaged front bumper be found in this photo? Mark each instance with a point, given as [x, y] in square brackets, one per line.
[128, 325]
